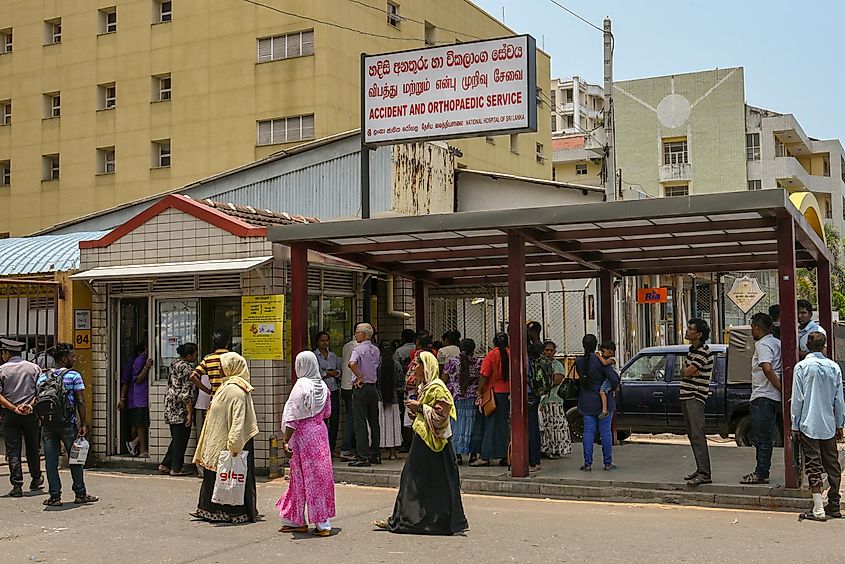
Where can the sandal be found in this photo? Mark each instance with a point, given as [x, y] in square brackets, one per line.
[381, 524]
[810, 516]
[753, 478]
[85, 498]
[478, 463]
[162, 469]
[322, 532]
[289, 529]
[586, 468]
[180, 473]
[53, 502]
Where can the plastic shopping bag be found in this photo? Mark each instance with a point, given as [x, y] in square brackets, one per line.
[79, 451]
[230, 485]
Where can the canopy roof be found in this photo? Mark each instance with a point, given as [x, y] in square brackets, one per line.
[707, 233]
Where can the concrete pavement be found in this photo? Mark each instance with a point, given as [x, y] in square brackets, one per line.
[144, 518]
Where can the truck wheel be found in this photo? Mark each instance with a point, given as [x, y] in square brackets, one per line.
[576, 424]
[622, 434]
[743, 434]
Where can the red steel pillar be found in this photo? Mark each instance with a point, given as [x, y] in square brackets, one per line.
[421, 305]
[518, 355]
[788, 334]
[605, 306]
[298, 302]
[825, 295]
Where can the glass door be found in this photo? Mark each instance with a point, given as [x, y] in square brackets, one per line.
[131, 327]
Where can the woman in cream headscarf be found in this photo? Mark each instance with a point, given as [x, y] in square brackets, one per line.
[307, 443]
[230, 424]
[429, 499]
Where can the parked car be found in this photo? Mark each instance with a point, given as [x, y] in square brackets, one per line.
[649, 397]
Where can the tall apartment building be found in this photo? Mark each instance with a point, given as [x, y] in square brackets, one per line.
[577, 137]
[694, 134]
[105, 102]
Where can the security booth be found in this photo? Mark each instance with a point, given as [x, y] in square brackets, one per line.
[605, 241]
[181, 270]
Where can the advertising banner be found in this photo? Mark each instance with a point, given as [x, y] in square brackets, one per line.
[262, 319]
[461, 90]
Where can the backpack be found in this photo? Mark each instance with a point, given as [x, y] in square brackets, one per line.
[51, 401]
[542, 376]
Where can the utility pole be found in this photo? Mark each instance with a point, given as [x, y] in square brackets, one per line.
[610, 146]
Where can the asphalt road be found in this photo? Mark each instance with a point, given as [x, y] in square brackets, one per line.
[144, 518]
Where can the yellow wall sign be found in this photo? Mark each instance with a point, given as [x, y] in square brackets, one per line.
[262, 319]
[82, 339]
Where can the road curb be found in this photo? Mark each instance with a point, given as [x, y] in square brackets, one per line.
[734, 497]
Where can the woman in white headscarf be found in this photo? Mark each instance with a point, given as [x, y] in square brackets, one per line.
[307, 444]
[230, 424]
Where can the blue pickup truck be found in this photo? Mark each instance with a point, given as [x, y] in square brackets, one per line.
[649, 398]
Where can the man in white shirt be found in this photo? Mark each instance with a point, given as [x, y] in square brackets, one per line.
[450, 348]
[766, 377]
[347, 449]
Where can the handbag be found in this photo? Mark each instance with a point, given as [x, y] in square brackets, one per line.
[230, 485]
[570, 387]
[487, 401]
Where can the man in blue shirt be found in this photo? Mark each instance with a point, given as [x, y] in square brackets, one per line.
[818, 416]
[54, 438]
[806, 325]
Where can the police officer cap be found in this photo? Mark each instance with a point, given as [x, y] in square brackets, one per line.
[11, 345]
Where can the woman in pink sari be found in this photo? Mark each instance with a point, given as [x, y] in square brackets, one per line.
[307, 443]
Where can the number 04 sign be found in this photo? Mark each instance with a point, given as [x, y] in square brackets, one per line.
[82, 328]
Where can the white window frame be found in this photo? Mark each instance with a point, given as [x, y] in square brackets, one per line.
[162, 153]
[165, 11]
[780, 149]
[581, 169]
[541, 157]
[828, 209]
[276, 48]
[51, 168]
[752, 146]
[675, 152]
[754, 185]
[164, 94]
[8, 37]
[669, 191]
[5, 173]
[110, 26]
[6, 115]
[54, 105]
[394, 19]
[53, 31]
[109, 101]
[285, 130]
[105, 160]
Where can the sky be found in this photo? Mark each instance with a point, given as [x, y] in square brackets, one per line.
[790, 50]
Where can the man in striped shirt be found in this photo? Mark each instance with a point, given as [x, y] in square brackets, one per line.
[210, 366]
[695, 387]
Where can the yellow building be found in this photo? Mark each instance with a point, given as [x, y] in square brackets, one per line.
[109, 101]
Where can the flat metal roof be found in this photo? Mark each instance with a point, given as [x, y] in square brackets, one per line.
[706, 233]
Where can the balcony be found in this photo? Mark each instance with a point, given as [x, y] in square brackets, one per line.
[675, 172]
[791, 175]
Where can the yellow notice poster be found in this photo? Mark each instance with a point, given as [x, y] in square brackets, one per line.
[262, 319]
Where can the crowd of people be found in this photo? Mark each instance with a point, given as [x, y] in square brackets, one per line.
[438, 401]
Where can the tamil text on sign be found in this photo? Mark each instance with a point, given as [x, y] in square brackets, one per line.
[461, 90]
[262, 318]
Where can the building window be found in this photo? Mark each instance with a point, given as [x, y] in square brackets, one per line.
[841, 161]
[554, 121]
[780, 149]
[514, 143]
[108, 20]
[755, 184]
[752, 146]
[52, 105]
[541, 157]
[6, 40]
[570, 122]
[161, 153]
[6, 112]
[163, 11]
[5, 173]
[53, 31]
[828, 210]
[50, 167]
[568, 94]
[286, 46]
[580, 169]
[680, 190]
[105, 160]
[826, 166]
[675, 152]
[393, 17]
[554, 99]
[106, 96]
[162, 88]
[430, 34]
[285, 130]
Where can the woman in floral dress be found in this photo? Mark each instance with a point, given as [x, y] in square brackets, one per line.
[555, 440]
[462, 374]
[307, 443]
[178, 409]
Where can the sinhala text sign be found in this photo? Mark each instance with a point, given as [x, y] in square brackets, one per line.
[461, 90]
[262, 318]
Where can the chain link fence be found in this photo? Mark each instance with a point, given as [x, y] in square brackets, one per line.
[480, 312]
[768, 281]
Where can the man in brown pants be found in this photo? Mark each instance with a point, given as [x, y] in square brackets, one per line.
[818, 416]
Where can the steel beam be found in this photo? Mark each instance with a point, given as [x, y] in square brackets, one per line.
[298, 302]
[788, 334]
[518, 355]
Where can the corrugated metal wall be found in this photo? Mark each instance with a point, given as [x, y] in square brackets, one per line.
[326, 190]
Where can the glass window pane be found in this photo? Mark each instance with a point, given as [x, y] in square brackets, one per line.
[648, 368]
[176, 324]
